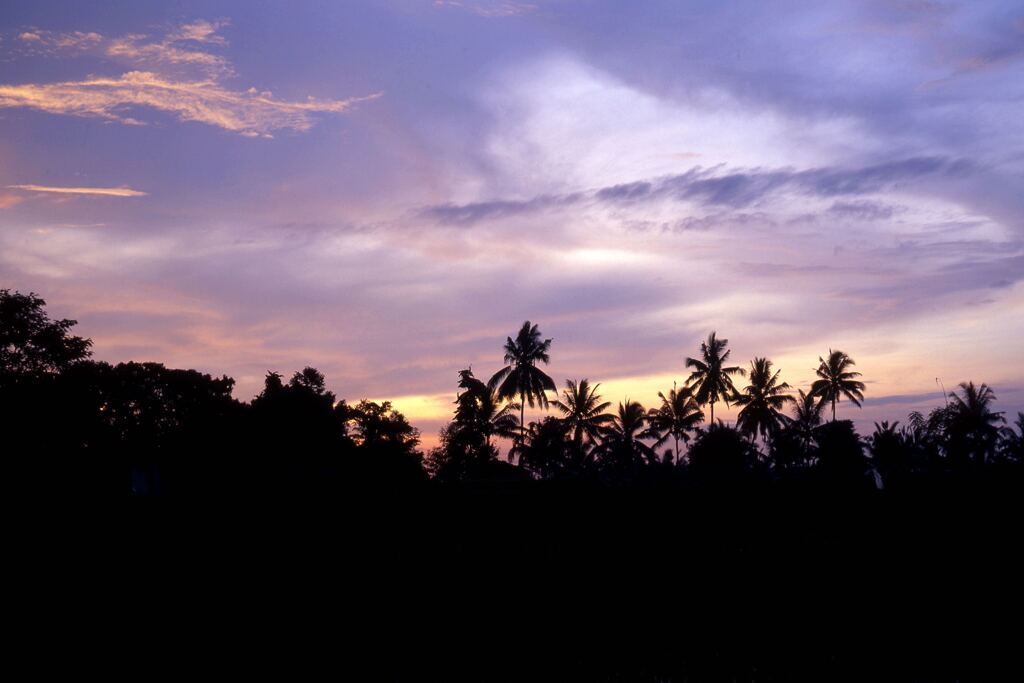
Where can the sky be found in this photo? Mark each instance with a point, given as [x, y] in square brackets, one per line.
[386, 190]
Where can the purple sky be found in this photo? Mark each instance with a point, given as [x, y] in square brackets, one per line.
[386, 190]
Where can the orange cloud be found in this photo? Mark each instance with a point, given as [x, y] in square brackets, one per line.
[248, 113]
[174, 73]
[8, 199]
[105, 191]
[201, 31]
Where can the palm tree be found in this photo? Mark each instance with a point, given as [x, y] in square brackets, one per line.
[762, 400]
[479, 408]
[710, 379]
[806, 416]
[620, 441]
[583, 411]
[521, 376]
[1013, 442]
[837, 380]
[678, 415]
[973, 422]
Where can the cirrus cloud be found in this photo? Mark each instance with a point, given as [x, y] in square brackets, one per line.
[103, 191]
[175, 73]
[249, 113]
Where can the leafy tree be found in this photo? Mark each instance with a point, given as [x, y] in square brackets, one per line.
[677, 416]
[762, 400]
[521, 377]
[711, 379]
[379, 426]
[32, 343]
[385, 443]
[837, 380]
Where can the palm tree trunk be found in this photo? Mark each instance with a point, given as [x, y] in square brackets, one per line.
[677, 448]
[522, 420]
[712, 413]
[833, 409]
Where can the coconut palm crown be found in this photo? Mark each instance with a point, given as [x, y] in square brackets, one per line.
[521, 377]
[711, 379]
[763, 401]
[836, 379]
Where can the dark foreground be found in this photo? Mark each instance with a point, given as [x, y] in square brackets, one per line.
[568, 583]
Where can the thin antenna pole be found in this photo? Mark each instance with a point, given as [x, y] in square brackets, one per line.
[944, 396]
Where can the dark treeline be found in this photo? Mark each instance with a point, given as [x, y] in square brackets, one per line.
[611, 542]
[182, 432]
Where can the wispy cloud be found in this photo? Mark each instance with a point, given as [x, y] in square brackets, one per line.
[489, 8]
[176, 73]
[732, 189]
[249, 113]
[105, 191]
[201, 31]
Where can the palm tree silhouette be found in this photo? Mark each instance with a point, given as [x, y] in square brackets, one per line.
[621, 438]
[677, 416]
[584, 412]
[806, 416]
[710, 379]
[479, 408]
[974, 420]
[521, 376]
[837, 380]
[762, 400]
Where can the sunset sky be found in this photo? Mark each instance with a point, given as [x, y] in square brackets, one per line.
[386, 190]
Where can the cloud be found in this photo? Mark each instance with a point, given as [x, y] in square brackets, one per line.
[134, 49]
[175, 73]
[737, 190]
[863, 210]
[746, 187]
[201, 31]
[9, 199]
[475, 212]
[248, 113]
[490, 9]
[104, 191]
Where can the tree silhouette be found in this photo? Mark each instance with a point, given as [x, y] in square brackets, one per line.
[466, 451]
[837, 380]
[677, 416]
[521, 377]
[806, 415]
[30, 342]
[621, 448]
[1013, 442]
[972, 429]
[479, 409]
[840, 454]
[711, 379]
[762, 400]
[721, 453]
[583, 413]
[547, 452]
[379, 426]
